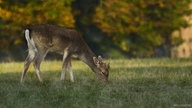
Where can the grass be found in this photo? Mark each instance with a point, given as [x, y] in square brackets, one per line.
[133, 83]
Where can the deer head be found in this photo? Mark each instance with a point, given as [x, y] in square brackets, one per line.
[103, 68]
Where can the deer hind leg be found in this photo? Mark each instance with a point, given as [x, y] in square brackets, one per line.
[28, 60]
[70, 71]
[37, 62]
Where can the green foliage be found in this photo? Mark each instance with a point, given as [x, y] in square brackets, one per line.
[147, 83]
[138, 26]
[16, 14]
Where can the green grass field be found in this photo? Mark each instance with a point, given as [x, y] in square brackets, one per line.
[133, 83]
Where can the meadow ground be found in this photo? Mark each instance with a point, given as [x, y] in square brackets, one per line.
[133, 83]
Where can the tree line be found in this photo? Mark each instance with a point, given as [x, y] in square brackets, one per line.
[133, 28]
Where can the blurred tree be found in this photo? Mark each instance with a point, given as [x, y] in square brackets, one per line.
[16, 14]
[83, 11]
[139, 26]
[135, 27]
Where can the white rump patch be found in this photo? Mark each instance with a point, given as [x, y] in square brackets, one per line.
[30, 42]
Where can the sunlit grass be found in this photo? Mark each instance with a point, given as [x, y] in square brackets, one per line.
[139, 83]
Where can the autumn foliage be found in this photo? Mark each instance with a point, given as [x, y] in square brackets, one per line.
[137, 27]
[17, 14]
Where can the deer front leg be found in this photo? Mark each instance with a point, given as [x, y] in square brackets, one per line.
[65, 57]
[70, 71]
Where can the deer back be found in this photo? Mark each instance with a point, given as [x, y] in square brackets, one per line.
[57, 39]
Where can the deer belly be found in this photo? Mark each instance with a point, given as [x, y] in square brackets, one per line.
[56, 50]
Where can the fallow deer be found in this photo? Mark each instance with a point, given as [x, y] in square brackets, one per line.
[42, 39]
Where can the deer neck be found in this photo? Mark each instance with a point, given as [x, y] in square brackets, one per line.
[87, 57]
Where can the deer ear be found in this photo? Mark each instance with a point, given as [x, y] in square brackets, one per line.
[100, 58]
[96, 61]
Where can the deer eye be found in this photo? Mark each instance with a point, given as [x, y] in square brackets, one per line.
[103, 73]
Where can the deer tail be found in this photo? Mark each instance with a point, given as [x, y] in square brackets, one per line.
[30, 41]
